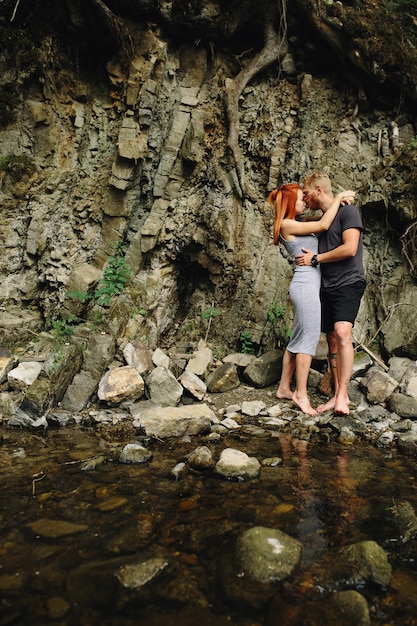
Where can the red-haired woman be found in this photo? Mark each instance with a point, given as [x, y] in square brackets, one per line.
[304, 291]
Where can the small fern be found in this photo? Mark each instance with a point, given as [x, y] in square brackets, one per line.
[115, 277]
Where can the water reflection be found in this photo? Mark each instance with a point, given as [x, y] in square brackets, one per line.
[65, 530]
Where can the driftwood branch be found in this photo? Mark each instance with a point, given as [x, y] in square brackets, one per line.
[275, 48]
[373, 356]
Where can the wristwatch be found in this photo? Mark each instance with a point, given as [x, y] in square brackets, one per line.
[314, 260]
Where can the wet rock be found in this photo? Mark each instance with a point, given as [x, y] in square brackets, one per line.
[352, 606]
[137, 575]
[179, 470]
[112, 503]
[57, 607]
[386, 439]
[51, 528]
[21, 419]
[267, 555]
[347, 436]
[366, 562]
[236, 464]
[135, 453]
[407, 443]
[201, 458]
[406, 520]
[136, 536]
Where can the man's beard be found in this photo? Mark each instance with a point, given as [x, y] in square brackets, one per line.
[313, 202]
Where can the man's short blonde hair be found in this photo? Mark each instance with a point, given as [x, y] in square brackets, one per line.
[316, 179]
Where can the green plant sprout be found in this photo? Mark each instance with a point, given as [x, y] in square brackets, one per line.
[115, 276]
[246, 342]
[63, 328]
[208, 314]
[276, 316]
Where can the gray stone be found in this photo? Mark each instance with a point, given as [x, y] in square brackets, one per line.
[200, 459]
[265, 370]
[367, 563]
[135, 453]
[163, 388]
[267, 555]
[404, 406]
[223, 378]
[24, 375]
[200, 362]
[193, 384]
[172, 421]
[378, 385]
[236, 464]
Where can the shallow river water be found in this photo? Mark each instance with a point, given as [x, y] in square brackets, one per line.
[71, 513]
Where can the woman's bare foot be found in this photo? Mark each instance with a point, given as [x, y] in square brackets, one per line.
[330, 404]
[304, 404]
[284, 394]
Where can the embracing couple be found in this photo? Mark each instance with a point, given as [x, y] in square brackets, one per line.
[327, 285]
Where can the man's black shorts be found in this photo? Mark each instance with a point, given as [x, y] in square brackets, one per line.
[340, 305]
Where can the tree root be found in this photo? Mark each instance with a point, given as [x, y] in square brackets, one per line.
[275, 48]
[115, 27]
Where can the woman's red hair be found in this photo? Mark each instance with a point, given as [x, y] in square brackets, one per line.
[283, 200]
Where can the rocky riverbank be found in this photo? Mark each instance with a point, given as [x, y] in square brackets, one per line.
[163, 395]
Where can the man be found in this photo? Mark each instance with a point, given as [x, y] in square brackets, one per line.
[343, 283]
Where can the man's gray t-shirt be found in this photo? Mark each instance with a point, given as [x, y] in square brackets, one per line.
[350, 270]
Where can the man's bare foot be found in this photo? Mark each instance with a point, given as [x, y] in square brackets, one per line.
[304, 405]
[284, 394]
[341, 407]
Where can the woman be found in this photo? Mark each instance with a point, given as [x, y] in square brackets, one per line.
[304, 289]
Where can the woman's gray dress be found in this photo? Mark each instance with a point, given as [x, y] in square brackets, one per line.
[305, 297]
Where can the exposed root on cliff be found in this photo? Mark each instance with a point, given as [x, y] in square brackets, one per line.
[275, 48]
[115, 27]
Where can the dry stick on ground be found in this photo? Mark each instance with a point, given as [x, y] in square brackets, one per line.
[373, 356]
[275, 48]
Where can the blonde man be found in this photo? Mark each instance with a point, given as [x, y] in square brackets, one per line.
[343, 282]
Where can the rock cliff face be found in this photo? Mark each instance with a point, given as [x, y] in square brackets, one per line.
[163, 126]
